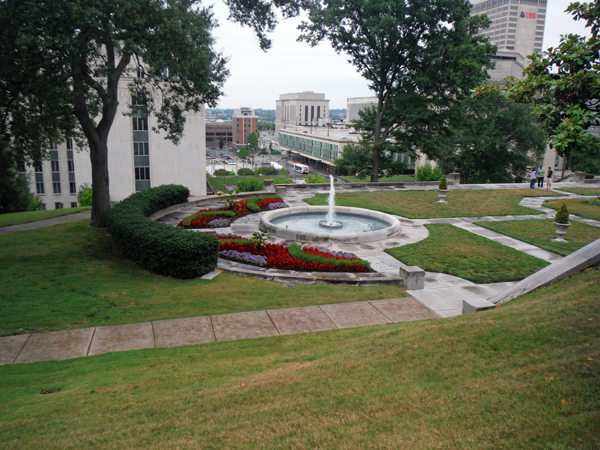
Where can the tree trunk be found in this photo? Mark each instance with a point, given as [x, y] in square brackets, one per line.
[100, 182]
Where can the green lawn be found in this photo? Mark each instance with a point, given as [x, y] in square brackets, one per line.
[381, 179]
[422, 204]
[581, 191]
[218, 183]
[448, 249]
[69, 276]
[540, 232]
[577, 206]
[34, 216]
[524, 376]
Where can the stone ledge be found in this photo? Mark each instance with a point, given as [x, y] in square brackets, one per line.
[475, 305]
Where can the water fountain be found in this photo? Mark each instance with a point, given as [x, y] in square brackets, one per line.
[330, 221]
[341, 224]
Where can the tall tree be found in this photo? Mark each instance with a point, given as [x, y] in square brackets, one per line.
[492, 141]
[64, 59]
[253, 141]
[418, 57]
[563, 85]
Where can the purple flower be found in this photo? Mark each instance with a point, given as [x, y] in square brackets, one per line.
[219, 223]
[257, 260]
[277, 205]
[344, 255]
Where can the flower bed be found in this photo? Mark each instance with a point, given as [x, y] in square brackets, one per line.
[292, 258]
[223, 216]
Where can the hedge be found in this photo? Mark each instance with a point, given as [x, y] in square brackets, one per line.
[157, 247]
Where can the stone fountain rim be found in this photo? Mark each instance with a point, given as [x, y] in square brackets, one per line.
[305, 236]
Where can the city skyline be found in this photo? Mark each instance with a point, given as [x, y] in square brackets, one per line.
[257, 78]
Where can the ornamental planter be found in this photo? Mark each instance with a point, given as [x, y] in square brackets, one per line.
[561, 230]
[442, 194]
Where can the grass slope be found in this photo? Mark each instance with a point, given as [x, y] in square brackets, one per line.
[450, 250]
[69, 276]
[35, 216]
[577, 206]
[524, 376]
[421, 204]
[581, 191]
[540, 233]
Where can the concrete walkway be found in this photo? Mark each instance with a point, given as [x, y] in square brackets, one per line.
[199, 330]
[46, 223]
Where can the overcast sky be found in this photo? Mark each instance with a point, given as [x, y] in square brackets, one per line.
[258, 78]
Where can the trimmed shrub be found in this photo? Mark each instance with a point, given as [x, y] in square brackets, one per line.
[428, 173]
[443, 184]
[223, 173]
[157, 247]
[250, 185]
[562, 216]
[245, 171]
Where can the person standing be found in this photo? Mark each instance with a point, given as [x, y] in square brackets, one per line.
[532, 178]
[549, 175]
[540, 176]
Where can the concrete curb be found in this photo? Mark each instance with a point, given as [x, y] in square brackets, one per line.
[569, 265]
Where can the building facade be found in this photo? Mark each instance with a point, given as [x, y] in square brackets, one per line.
[138, 158]
[219, 130]
[303, 108]
[355, 104]
[244, 122]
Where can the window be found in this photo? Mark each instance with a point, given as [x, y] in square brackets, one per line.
[141, 148]
[140, 123]
[55, 167]
[56, 187]
[71, 165]
[142, 173]
[73, 204]
[72, 187]
[21, 166]
[69, 143]
[38, 167]
[53, 145]
[58, 205]
[39, 188]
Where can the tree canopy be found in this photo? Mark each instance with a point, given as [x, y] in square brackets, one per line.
[253, 141]
[492, 141]
[563, 85]
[418, 57]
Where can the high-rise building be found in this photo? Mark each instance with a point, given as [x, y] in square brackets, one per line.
[517, 28]
[303, 108]
[355, 104]
[244, 122]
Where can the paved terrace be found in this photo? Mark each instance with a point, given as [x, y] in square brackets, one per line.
[442, 296]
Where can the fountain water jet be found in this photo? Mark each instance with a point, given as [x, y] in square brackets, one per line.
[330, 221]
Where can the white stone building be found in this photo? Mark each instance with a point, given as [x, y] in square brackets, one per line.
[303, 108]
[138, 158]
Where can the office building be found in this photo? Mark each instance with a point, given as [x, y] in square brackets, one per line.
[244, 122]
[219, 130]
[355, 104]
[303, 108]
[138, 158]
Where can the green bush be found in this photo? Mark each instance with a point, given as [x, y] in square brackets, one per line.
[157, 247]
[562, 216]
[428, 173]
[594, 201]
[314, 179]
[245, 171]
[250, 185]
[266, 171]
[223, 173]
[443, 184]
[296, 251]
[274, 152]
[85, 195]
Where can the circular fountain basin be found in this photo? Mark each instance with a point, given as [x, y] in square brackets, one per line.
[302, 224]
